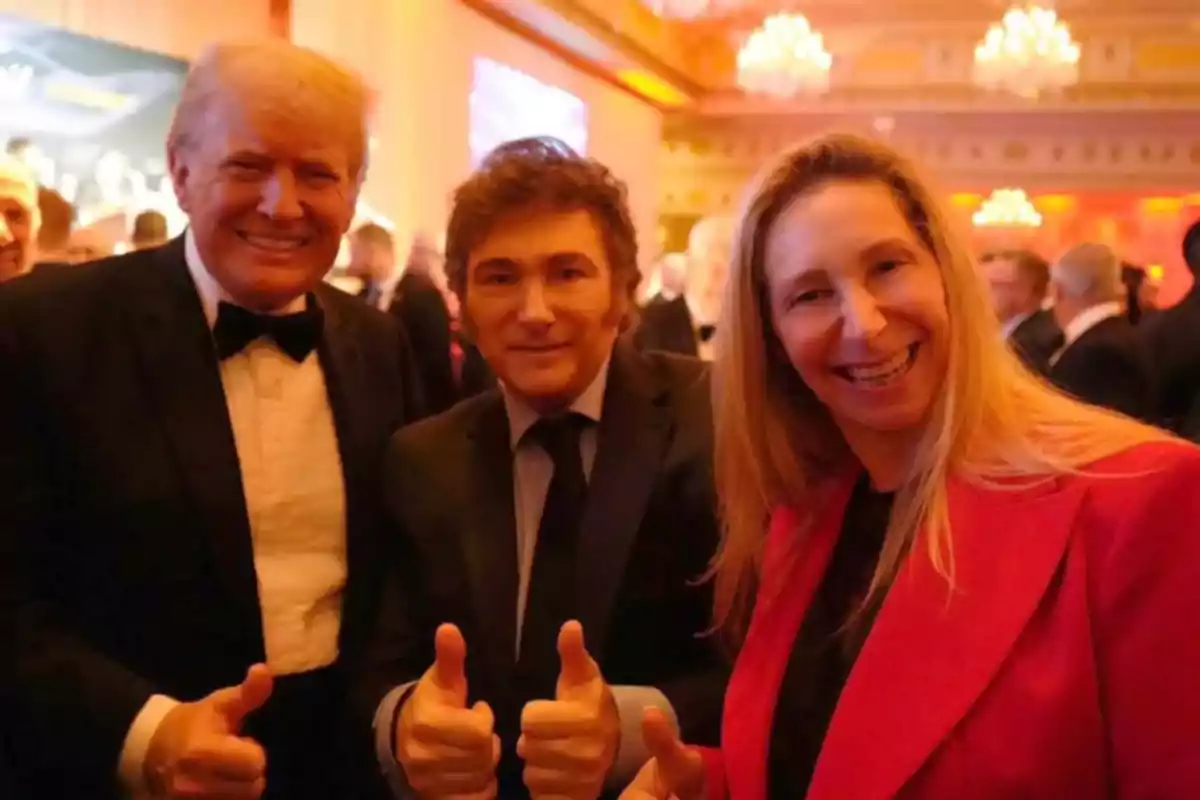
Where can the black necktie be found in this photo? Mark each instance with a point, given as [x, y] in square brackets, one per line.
[295, 334]
[551, 599]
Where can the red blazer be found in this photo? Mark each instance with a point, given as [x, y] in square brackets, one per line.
[1064, 666]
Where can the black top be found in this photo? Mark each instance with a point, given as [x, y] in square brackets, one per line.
[826, 648]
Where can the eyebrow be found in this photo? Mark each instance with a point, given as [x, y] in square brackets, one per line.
[558, 258]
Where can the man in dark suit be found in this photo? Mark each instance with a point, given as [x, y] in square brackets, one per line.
[1173, 336]
[666, 321]
[555, 528]
[190, 441]
[414, 301]
[1019, 280]
[1103, 360]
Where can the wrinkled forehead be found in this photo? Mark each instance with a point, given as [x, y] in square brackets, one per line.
[299, 122]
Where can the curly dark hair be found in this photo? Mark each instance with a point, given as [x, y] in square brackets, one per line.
[537, 173]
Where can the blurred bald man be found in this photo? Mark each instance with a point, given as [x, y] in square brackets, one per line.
[1102, 361]
[189, 447]
[19, 218]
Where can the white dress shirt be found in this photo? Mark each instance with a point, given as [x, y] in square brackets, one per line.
[292, 478]
[532, 473]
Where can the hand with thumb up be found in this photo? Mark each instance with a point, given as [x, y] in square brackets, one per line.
[674, 771]
[569, 743]
[197, 751]
[445, 748]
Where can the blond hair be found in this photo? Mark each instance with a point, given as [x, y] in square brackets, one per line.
[776, 444]
[298, 81]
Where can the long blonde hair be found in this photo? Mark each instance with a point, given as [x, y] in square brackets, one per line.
[776, 443]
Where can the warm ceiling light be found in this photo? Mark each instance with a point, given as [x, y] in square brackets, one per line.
[693, 9]
[784, 57]
[1029, 52]
[1007, 208]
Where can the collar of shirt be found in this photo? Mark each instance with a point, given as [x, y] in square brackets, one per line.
[521, 417]
[211, 292]
[1014, 322]
[1088, 319]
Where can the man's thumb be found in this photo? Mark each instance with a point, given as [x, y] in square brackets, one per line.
[578, 668]
[238, 702]
[679, 767]
[449, 664]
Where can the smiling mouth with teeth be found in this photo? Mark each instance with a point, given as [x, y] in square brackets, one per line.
[883, 373]
[277, 244]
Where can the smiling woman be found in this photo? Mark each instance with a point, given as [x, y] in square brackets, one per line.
[940, 551]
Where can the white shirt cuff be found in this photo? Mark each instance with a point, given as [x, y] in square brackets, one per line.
[632, 754]
[385, 726]
[130, 767]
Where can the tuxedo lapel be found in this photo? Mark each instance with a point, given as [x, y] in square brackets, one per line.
[489, 541]
[933, 651]
[634, 430]
[174, 345]
[347, 385]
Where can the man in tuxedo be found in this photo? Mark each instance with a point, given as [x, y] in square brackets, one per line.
[554, 528]
[1103, 360]
[1019, 281]
[190, 442]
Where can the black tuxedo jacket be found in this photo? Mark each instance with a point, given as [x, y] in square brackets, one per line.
[420, 309]
[1110, 366]
[648, 533]
[122, 514]
[667, 325]
[1036, 340]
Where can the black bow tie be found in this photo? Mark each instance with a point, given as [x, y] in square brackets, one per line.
[295, 334]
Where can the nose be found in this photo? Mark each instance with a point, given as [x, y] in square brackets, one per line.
[861, 317]
[280, 198]
[534, 308]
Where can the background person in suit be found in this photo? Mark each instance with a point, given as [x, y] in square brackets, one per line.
[665, 323]
[579, 491]
[20, 219]
[1019, 281]
[1173, 339]
[190, 443]
[1103, 360]
[971, 585]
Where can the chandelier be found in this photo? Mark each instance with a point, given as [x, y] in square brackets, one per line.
[1029, 52]
[784, 57]
[693, 9]
[1007, 208]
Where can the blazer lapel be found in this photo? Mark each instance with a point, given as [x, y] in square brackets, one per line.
[349, 392]
[489, 542]
[632, 437]
[932, 652]
[174, 345]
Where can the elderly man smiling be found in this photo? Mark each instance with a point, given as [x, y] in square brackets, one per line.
[189, 443]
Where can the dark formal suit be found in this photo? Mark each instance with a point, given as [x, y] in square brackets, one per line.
[1036, 339]
[1109, 366]
[1173, 336]
[418, 306]
[667, 325]
[123, 501]
[477, 377]
[647, 533]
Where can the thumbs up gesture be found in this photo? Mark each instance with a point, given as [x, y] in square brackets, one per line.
[444, 747]
[569, 743]
[673, 771]
[197, 751]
